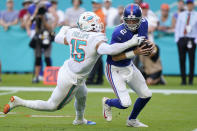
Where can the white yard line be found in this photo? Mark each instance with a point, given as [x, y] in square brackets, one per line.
[10, 113]
[41, 116]
[21, 88]
[94, 90]
[38, 116]
[13, 113]
[50, 116]
[7, 93]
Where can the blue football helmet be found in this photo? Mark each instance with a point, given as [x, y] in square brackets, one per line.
[132, 17]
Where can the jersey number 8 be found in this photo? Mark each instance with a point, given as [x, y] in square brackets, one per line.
[77, 53]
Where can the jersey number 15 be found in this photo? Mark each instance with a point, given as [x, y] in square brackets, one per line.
[77, 53]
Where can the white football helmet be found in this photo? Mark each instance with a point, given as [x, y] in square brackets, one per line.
[89, 21]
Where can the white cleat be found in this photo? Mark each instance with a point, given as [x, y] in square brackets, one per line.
[83, 122]
[107, 113]
[135, 123]
[14, 102]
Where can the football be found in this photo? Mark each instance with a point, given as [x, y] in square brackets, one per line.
[146, 43]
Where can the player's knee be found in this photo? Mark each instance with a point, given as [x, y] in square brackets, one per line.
[146, 93]
[81, 93]
[38, 61]
[84, 94]
[48, 61]
[126, 103]
[53, 106]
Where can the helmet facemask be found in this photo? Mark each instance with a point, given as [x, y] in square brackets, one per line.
[99, 27]
[132, 23]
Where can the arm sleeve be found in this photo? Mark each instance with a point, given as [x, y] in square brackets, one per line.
[99, 37]
[116, 46]
[59, 38]
[130, 54]
[113, 49]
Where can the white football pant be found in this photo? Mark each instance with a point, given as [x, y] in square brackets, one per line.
[119, 77]
[68, 86]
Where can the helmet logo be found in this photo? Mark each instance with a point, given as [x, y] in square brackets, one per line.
[89, 19]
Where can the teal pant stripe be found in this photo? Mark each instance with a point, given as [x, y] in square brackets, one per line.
[66, 98]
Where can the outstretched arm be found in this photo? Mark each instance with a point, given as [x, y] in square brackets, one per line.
[117, 48]
[138, 51]
[61, 36]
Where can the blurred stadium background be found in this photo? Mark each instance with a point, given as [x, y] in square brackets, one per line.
[17, 56]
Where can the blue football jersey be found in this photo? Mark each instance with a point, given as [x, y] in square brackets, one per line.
[121, 34]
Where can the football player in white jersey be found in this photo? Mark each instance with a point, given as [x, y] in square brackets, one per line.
[86, 43]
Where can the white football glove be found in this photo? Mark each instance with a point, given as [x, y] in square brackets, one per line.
[64, 29]
[136, 40]
[59, 38]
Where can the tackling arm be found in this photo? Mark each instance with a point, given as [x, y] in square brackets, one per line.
[116, 48]
[138, 51]
[60, 37]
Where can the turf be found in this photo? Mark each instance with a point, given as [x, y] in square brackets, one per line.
[173, 82]
[163, 113]
[176, 112]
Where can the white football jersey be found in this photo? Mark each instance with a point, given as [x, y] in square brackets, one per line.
[83, 53]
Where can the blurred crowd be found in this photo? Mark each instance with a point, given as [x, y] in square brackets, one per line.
[164, 20]
[58, 17]
[41, 17]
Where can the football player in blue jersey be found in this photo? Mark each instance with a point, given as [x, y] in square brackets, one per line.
[120, 70]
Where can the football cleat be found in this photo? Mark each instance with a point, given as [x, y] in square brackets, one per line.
[6, 109]
[14, 101]
[107, 113]
[83, 122]
[135, 123]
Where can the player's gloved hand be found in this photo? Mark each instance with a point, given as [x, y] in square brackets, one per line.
[136, 40]
[145, 49]
[59, 38]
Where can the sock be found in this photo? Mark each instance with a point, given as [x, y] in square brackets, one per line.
[115, 103]
[138, 106]
[80, 107]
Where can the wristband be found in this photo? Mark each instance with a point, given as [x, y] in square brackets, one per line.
[129, 54]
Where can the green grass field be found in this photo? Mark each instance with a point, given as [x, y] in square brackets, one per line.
[175, 112]
[173, 82]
